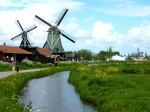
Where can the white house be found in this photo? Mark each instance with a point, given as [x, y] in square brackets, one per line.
[118, 58]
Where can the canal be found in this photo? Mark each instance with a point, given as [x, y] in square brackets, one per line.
[53, 94]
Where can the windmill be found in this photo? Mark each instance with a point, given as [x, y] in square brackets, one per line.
[25, 43]
[53, 42]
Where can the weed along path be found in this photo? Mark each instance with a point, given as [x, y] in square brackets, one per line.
[53, 94]
[5, 74]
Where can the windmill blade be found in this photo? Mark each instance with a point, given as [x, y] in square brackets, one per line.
[61, 16]
[20, 25]
[43, 21]
[29, 40]
[45, 44]
[65, 35]
[33, 27]
[16, 36]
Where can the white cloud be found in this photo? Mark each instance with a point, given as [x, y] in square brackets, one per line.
[104, 37]
[124, 8]
[24, 11]
[101, 30]
[89, 42]
[70, 28]
[82, 34]
[100, 36]
[140, 35]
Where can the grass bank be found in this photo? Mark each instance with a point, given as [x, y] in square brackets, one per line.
[110, 90]
[10, 88]
[25, 64]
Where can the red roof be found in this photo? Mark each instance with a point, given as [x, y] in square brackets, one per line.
[14, 50]
[44, 51]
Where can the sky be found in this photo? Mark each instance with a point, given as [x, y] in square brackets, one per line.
[123, 25]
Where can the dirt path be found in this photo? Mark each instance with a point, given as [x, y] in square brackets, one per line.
[5, 74]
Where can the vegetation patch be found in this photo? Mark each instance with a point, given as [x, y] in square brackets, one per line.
[112, 86]
[11, 88]
[25, 64]
[111, 89]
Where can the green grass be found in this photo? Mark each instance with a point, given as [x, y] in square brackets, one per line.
[112, 92]
[27, 64]
[108, 87]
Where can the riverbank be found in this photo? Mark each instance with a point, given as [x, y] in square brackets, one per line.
[12, 85]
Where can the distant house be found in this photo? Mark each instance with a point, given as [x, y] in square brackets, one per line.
[118, 58]
[15, 52]
[137, 56]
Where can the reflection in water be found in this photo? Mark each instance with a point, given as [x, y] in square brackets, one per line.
[53, 94]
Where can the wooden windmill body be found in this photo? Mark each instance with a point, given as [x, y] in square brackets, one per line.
[53, 42]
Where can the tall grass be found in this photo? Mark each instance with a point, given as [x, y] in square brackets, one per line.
[111, 90]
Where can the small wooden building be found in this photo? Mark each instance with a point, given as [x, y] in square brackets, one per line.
[42, 55]
[45, 55]
[14, 52]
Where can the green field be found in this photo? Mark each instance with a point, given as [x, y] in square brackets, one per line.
[110, 90]
[108, 87]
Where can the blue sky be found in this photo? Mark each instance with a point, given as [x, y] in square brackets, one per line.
[97, 25]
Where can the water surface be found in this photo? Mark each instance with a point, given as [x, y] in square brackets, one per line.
[53, 94]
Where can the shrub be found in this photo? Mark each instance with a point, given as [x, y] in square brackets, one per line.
[5, 66]
[27, 62]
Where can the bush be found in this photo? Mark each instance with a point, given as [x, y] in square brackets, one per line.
[27, 62]
[5, 66]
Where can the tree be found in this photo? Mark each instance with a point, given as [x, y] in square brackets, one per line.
[109, 53]
[84, 54]
[102, 55]
[129, 57]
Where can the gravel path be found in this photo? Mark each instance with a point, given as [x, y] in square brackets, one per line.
[5, 74]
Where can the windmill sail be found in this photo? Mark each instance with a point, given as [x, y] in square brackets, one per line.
[61, 16]
[25, 43]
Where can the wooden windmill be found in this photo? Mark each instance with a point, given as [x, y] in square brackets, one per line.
[53, 42]
[25, 43]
